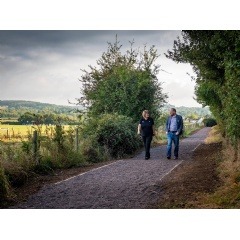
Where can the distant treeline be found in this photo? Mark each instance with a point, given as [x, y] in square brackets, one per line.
[51, 118]
[190, 112]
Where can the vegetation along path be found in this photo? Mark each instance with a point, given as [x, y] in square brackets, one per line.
[127, 183]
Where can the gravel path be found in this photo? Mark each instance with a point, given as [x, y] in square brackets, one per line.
[127, 183]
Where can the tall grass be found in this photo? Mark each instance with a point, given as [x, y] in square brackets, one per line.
[4, 185]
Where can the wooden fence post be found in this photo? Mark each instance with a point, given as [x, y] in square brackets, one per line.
[35, 146]
[76, 139]
[13, 133]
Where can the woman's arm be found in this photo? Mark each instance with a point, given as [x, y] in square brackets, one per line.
[139, 129]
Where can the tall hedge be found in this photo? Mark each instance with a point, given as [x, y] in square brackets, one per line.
[215, 58]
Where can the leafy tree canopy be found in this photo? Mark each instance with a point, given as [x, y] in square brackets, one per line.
[123, 83]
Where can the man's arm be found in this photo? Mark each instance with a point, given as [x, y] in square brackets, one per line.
[181, 126]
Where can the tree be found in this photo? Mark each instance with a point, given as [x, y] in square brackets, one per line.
[123, 83]
[26, 118]
[214, 56]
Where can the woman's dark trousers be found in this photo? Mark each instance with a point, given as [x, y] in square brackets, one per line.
[147, 143]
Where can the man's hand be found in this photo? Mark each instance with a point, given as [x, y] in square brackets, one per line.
[166, 133]
[177, 133]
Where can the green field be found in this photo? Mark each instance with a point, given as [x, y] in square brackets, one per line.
[18, 132]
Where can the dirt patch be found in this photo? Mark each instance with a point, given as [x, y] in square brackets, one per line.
[34, 184]
[190, 180]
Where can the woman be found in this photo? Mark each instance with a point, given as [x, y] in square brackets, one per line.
[146, 129]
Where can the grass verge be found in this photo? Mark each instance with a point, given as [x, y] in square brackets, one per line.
[227, 195]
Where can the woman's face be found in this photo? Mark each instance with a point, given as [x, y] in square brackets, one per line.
[147, 115]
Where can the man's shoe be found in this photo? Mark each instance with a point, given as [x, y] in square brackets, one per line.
[175, 158]
[147, 158]
[168, 157]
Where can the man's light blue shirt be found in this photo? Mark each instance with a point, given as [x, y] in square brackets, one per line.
[173, 124]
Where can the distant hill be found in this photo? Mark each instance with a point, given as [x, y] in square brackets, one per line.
[31, 105]
[15, 108]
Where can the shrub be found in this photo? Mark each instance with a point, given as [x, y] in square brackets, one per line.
[209, 122]
[115, 134]
[92, 151]
[16, 163]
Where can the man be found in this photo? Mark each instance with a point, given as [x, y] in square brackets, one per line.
[174, 126]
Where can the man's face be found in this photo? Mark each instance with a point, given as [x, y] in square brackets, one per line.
[172, 113]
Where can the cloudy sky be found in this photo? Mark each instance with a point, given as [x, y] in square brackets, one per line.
[45, 66]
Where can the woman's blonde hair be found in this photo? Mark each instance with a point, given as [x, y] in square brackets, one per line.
[144, 113]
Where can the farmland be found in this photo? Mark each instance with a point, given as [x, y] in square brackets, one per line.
[15, 133]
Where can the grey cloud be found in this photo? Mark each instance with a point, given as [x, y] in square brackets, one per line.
[45, 65]
[23, 40]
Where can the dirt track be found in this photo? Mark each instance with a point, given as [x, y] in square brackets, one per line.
[124, 184]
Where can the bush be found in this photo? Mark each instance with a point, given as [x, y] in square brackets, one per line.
[209, 122]
[115, 134]
[92, 151]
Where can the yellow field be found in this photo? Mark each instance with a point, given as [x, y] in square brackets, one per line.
[14, 132]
